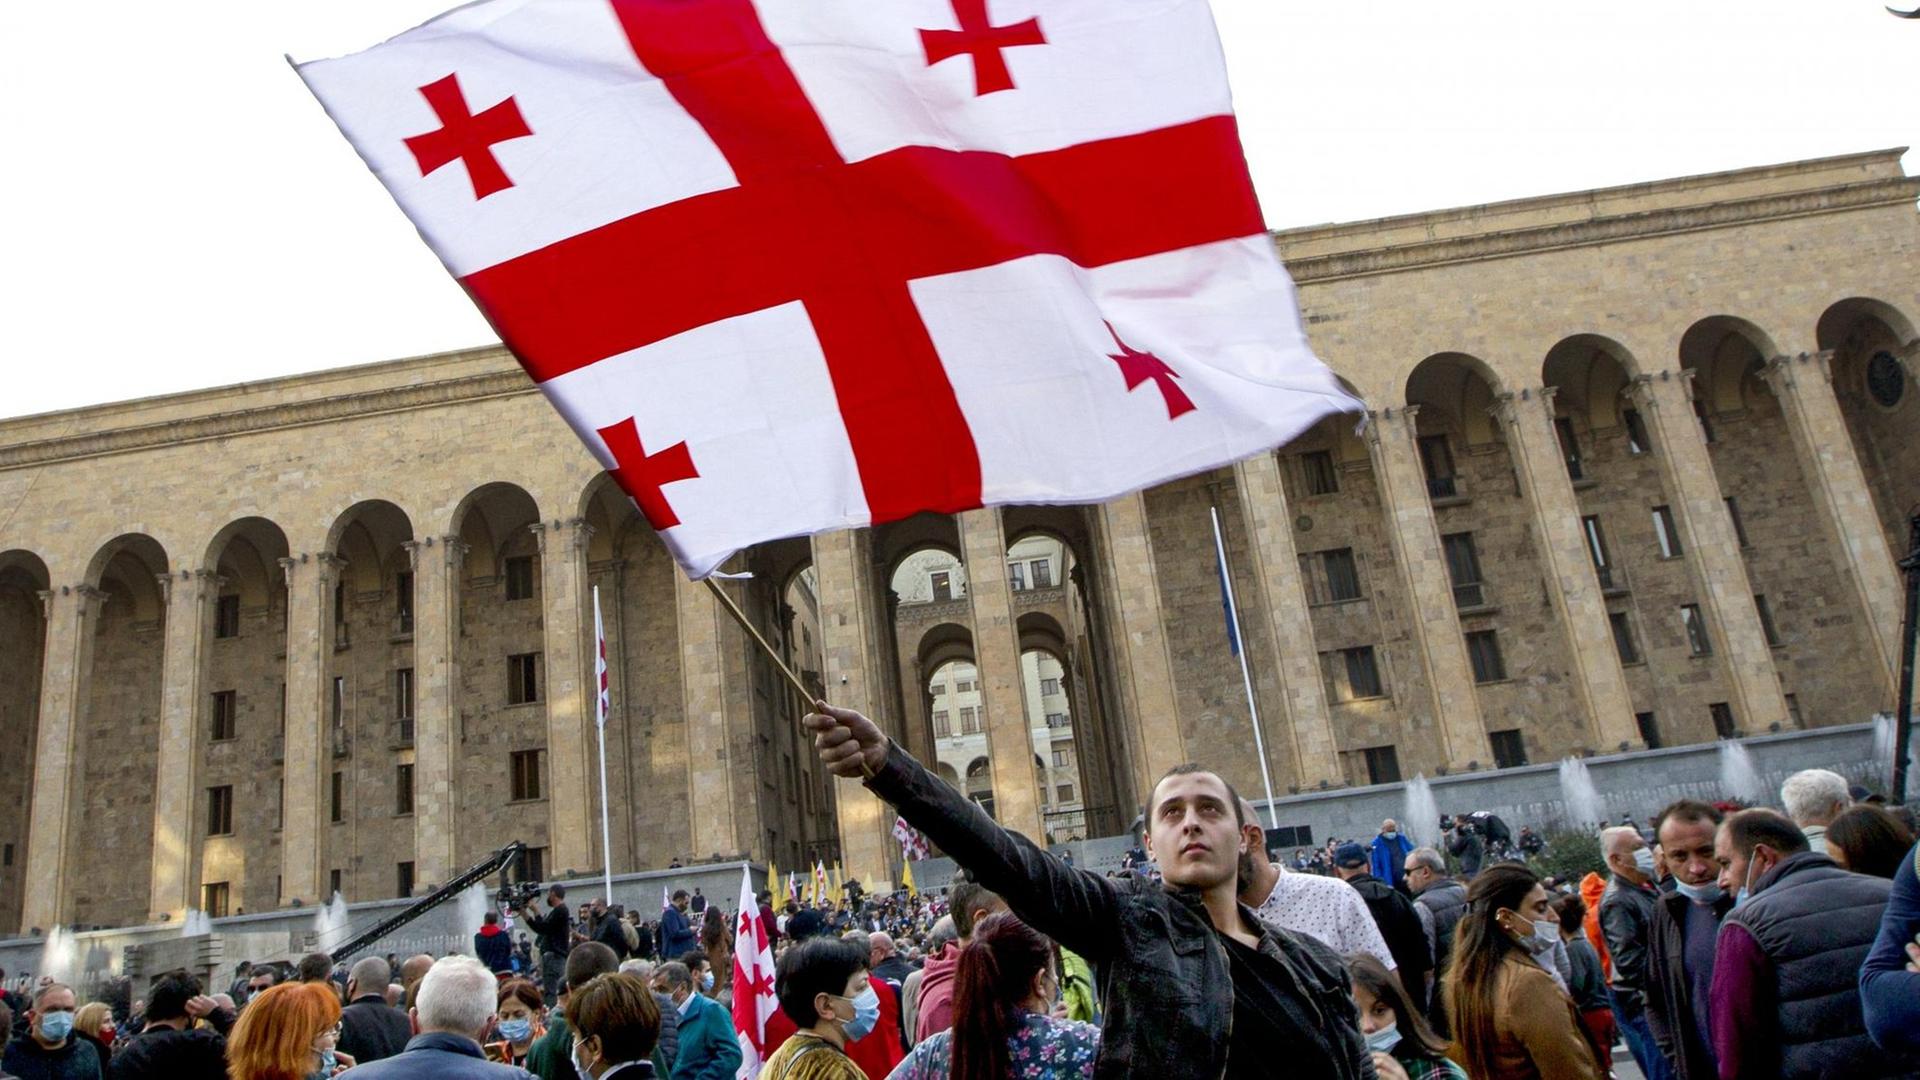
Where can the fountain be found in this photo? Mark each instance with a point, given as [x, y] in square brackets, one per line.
[58, 955]
[197, 922]
[1582, 798]
[1739, 779]
[474, 904]
[1885, 727]
[331, 923]
[1420, 818]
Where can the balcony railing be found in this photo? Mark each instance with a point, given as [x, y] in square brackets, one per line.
[1471, 595]
[1442, 487]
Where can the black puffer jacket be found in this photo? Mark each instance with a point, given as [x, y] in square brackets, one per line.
[1165, 976]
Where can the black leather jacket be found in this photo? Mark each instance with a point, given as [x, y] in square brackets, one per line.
[1165, 979]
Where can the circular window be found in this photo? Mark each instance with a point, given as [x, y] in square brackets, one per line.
[1886, 380]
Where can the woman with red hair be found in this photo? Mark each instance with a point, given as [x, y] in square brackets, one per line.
[287, 1033]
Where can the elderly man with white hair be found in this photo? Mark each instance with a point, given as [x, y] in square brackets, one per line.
[1813, 798]
[453, 1010]
[1626, 920]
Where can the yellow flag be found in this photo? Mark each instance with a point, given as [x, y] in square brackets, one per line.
[906, 879]
[773, 883]
[839, 881]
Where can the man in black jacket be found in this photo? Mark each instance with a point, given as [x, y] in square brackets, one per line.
[552, 933]
[1681, 940]
[170, 1047]
[606, 929]
[1626, 920]
[1393, 913]
[371, 1029]
[1195, 985]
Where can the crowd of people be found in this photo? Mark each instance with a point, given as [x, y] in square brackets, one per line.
[1718, 943]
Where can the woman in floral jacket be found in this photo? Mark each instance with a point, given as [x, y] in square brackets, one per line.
[1004, 1023]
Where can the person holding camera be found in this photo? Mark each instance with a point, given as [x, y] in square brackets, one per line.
[1464, 843]
[553, 932]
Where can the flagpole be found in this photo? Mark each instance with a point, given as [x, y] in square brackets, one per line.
[600, 705]
[1246, 677]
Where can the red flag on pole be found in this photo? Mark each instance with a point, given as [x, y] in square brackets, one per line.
[753, 1000]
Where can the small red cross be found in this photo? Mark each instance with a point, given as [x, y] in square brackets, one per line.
[465, 137]
[984, 41]
[642, 475]
[1138, 367]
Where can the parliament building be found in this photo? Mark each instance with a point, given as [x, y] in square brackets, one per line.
[1637, 471]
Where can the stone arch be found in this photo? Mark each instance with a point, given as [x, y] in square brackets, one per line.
[127, 569]
[1590, 373]
[1875, 359]
[365, 535]
[247, 553]
[1726, 355]
[23, 636]
[494, 521]
[1455, 392]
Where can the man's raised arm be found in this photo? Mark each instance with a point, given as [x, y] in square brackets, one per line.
[1074, 907]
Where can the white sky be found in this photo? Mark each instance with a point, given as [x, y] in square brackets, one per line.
[178, 212]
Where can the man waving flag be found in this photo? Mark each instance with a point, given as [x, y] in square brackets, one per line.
[795, 265]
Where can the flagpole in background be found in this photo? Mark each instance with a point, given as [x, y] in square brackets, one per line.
[1246, 677]
[602, 702]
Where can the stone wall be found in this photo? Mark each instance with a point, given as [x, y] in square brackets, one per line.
[22, 641]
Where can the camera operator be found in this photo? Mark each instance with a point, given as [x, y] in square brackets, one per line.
[1464, 843]
[552, 932]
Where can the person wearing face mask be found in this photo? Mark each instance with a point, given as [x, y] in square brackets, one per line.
[1003, 1015]
[616, 1023]
[1387, 855]
[1626, 919]
[821, 985]
[371, 1029]
[287, 1033]
[1680, 940]
[1404, 1047]
[523, 1019]
[1510, 1018]
[708, 1048]
[50, 1051]
[1586, 980]
[454, 1010]
[1785, 999]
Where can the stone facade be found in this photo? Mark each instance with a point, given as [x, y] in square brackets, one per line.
[1604, 424]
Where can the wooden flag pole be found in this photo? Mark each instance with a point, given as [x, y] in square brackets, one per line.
[733, 609]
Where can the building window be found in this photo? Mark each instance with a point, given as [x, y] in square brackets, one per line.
[1064, 793]
[1343, 574]
[1042, 573]
[337, 798]
[964, 686]
[1436, 458]
[220, 810]
[226, 617]
[519, 573]
[403, 789]
[1483, 648]
[215, 896]
[403, 701]
[1723, 726]
[1049, 686]
[1696, 626]
[1739, 527]
[339, 708]
[1017, 576]
[1317, 474]
[340, 636]
[1059, 758]
[1057, 720]
[969, 720]
[1637, 441]
[403, 879]
[1509, 748]
[1793, 711]
[524, 772]
[942, 585]
[1766, 621]
[1351, 674]
[334, 882]
[1623, 641]
[1666, 533]
[1569, 447]
[226, 712]
[523, 679]
[533, 864]
[403, 601]
[1886, 380]
[1597, 551]
[6, 854]
[942, 726]
[1649, 729]
[1463, 566]
[1383, 764]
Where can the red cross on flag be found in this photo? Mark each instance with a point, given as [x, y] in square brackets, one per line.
[753, 1000]
[795, 265]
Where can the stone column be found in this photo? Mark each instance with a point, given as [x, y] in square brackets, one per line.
[1712, 550]
[573, 832]
[1144, 665]
[709, 641]
[189, 599]
[71, 611]
[1437, 639]
[1804, 386]
[854, 658]
[1577, 601]
[1278, 604]
[436, 708]
[996, 650]
[306, 754]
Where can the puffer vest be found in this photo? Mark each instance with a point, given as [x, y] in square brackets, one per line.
[1446, 902]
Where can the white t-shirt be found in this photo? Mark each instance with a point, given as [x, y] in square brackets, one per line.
[1326, 909]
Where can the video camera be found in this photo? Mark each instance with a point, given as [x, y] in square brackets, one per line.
[515, 895]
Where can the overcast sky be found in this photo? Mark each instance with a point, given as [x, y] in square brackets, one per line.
[178, 212]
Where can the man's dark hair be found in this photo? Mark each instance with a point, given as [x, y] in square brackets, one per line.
[271, 971]
[696, 959]
[491, 918]
[1189, 769]
[168, 996]
[589, 958]
[557, 891]
[679, 894]
[820, 965]
[1571, 910]
[966, 897]
[1688, 810]
[620, 1011]
[316, 967]
[1761, 826]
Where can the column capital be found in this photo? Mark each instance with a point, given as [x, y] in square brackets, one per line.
[1507, 404]
[326, 566]
[575, 529]
[1781, 372]
[201, 577]
[1640, 389]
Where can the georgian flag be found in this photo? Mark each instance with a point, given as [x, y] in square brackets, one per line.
[795, 265]
[753, 999]
[913, 845]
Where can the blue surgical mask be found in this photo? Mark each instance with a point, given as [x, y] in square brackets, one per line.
[1391, 834]
[1384, 1040]
[866, 1013]
[1700, 894]
[706, 982]
[56, 1025]
[516, 1031]
[328, 1062]
[1643, 860]
[1741, 897]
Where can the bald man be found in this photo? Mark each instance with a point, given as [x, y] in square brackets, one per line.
[412, 970]
[1626, 918]
[371, 1029]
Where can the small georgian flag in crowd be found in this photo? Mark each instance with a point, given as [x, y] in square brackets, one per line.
[753, 1000]
[795, 265]
[913, 846]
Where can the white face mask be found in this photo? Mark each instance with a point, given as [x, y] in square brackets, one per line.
[573, 1055]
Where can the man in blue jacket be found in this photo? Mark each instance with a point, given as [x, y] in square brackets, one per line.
[709, 1049]
[1890, 979]
[454, 1012]
[676, 932]
[1387, 858]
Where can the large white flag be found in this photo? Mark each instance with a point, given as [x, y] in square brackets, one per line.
[753, 1000]
[792, 265]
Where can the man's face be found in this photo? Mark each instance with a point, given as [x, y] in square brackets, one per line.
[1194, 832]
[58, 1001]
[259, 981]
[1419, 878]
[1737, 870]
[1689, 848]
[1622, 859]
